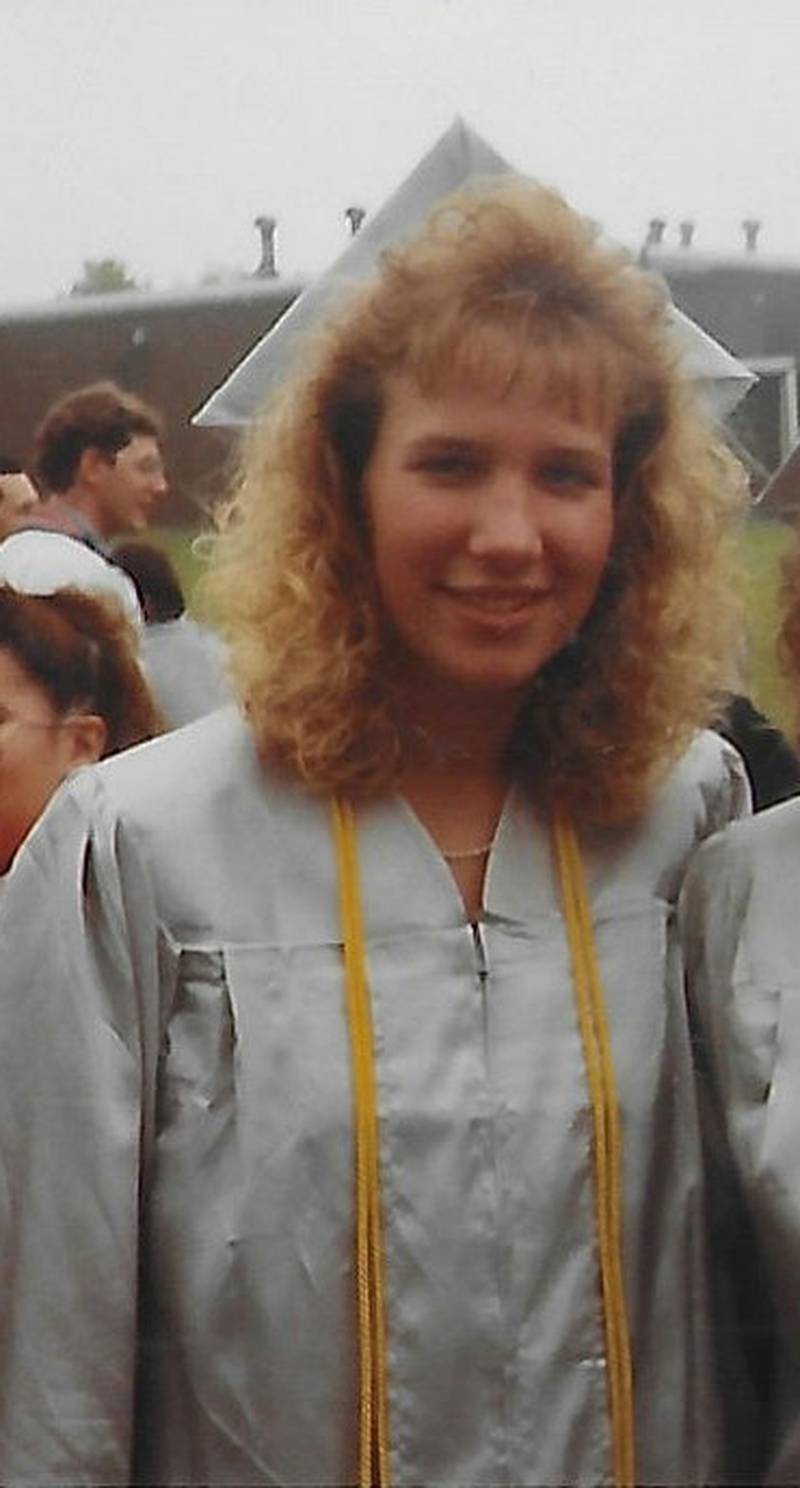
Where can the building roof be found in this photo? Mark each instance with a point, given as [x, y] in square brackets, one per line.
[146, 302]
[675, 261]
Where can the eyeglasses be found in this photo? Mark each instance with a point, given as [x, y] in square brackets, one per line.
[147, 465]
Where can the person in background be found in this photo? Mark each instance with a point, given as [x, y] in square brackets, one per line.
[71, 693]
[19, 498]
[97, 458]
[773, 766]
[740, 928]
[44, 562]
[184, 659]
[370, 1148]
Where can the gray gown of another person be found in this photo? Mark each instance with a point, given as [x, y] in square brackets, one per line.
[184, 662]
[741, 925]
[176, 1203]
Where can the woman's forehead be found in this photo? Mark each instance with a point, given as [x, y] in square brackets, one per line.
[576, 404]
[586, 379]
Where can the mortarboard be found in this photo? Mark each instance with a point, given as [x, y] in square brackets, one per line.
[459, 156]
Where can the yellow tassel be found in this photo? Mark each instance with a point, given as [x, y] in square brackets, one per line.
[373, 1452]
[373, 1445]
[607, 1144]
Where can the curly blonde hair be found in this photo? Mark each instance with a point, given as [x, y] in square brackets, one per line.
[504, 285]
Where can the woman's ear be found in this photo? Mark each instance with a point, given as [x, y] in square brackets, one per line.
[87, 738]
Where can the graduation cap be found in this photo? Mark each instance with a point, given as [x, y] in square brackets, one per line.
[780, 496]
[721, 377]
[459, 156]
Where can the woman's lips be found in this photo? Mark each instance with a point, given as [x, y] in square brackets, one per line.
[498, 606]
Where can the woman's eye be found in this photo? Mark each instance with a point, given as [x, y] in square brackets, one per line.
[448, 467]
[570, 477]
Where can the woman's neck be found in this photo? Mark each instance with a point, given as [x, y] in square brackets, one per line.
[461, 737]
[459, 802]
[455, 777]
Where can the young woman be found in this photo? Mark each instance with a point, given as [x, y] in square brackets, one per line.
[384, 1162]
[71, 692]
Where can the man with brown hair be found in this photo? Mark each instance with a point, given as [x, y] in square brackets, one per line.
[97, 455]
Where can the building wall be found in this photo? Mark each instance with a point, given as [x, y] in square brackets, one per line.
[175, 349]
[171, 351]
[750, 304]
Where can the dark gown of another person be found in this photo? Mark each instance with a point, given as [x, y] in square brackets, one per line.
[772, 765]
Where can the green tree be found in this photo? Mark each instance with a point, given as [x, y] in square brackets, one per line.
[103, 276]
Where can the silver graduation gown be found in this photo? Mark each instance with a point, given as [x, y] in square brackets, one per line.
[176, 1195]
[741, 924]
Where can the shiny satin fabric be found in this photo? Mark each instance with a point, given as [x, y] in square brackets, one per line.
[176, 1201]
[741, 926]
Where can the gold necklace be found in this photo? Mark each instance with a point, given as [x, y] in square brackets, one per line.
[467, 852]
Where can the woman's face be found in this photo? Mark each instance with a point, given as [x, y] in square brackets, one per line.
[37, 751]
[491, 523]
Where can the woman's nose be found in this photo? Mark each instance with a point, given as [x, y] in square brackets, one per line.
[507, 525]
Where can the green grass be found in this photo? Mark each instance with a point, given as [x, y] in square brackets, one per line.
[763, 544]
[181, 545]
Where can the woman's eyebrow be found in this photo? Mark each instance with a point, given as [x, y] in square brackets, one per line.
[600, 458]
[452, 443]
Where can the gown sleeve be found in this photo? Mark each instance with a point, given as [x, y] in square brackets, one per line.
[732, 796]
[83, 974]
[733, 1028]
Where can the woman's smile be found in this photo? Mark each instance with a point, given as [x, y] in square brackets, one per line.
[497, 608]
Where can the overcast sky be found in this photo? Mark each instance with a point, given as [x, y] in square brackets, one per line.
[156, 130]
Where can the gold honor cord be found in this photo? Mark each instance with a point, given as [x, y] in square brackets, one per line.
[373, 1407]
[607, 1144]
[373, 1432]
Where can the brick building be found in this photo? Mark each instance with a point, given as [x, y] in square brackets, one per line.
[175, 348]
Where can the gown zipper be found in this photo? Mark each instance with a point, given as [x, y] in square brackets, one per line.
[481, 953]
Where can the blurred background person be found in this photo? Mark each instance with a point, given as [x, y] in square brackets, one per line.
[97, 459]
[44, 562]
[19, 498]
[184, 659]
[773, 766]
[71, 692]
[741, 932]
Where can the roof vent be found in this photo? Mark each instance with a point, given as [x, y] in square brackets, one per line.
[267, 227]
[751, 228]
[354, 216]
[656, 228]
